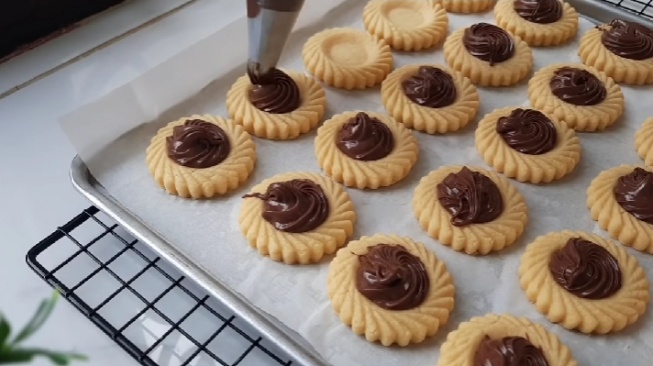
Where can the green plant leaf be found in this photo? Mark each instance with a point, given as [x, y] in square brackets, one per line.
[5, 330]
[40, 316]
[27, 354]
[11, 357]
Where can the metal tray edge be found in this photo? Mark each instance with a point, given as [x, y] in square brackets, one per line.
[288, 341]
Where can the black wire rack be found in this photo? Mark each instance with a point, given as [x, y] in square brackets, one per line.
[140, 301]
[639, 7]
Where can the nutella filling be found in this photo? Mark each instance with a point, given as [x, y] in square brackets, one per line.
[627, 39]
[634, 193]
[577, 86]
[489, 43]
[508, 351]
[430, 87]
[528, 131]
[392, 278]
[275, 93]
[198, 144]
[539, 11]
[294, 206]
[365, 138]
[470, 197]
[585, 269]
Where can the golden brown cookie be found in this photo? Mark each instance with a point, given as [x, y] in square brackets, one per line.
[520, 340]
[467, 6]
[473, 210]
[297, 217]
[644, 142]
[584, 282]
[288, 105]
[581, 96]
[621, 200]
[390, 289]
[527, 144]
[365, 149]
[430, 98]
[347, 58]
[488, 55]
[200, 156]
[621, 49]
[538, 22]
[406, 25]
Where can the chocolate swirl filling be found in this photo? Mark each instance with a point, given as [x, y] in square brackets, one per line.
[585, 269]
[431, 87]
[508, 351]
[392, 278]
[365, 138]
[634, 193]
[294, 206]
[198, 144]
[275, 93]
[628, 40]
[470, 197]
[539, 11]
[528, 131]
[578, 87]
[489, 43]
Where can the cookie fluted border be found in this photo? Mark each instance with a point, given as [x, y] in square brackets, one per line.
[467, 6]
[410, 37]
[611, 217]
[543, 168]
[278, 126]
[365, 174]
[506, 73]
[644, 141]
[626, 71]
[349, 77]
[460, 347]
[587, 118]
[299, 248]
[473, 239]
[535, 34]
[381, 325]
[196, 183]
[560, 306]
[450, 118]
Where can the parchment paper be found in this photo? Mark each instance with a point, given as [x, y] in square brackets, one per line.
[112, 134]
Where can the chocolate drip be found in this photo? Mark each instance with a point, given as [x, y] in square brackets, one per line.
[539, 11]
[275, 92]
[470, 197]
[634, 193]
[198, 144]
[392, 278]
[508, 351]
[365, 138]
[528, 131]
[628, 40]
[577, 86]
[294, 206]
[489, 43]
[431, 87]
[586, 269]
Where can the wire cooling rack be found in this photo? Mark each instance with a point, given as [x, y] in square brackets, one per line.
[639, 7]
[145, 305]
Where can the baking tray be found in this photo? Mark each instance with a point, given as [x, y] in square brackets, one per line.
[280, 335]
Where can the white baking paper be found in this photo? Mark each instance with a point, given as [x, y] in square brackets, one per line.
[112, 134]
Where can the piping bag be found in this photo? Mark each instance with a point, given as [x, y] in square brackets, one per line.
[269, 25]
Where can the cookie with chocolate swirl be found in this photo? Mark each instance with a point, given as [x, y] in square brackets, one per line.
[488, 55]
[622, 49]
[390, 289]
[584, 282]
[473, 210]
[538, 22]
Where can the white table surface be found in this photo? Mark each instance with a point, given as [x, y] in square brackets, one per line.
[35, 190]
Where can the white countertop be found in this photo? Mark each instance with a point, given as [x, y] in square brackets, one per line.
[36, 193]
